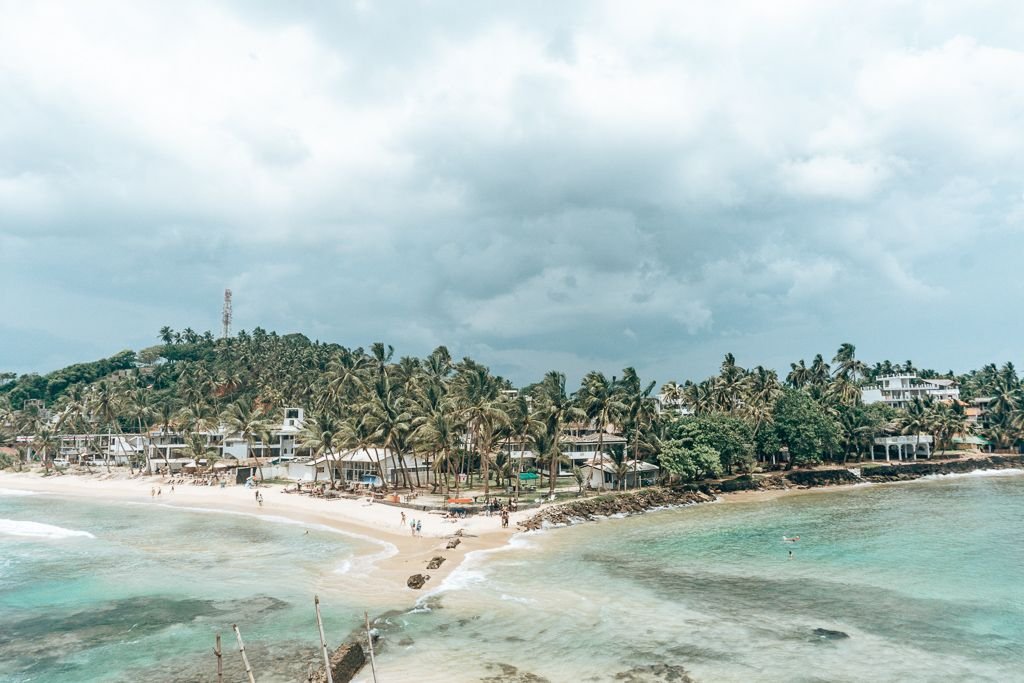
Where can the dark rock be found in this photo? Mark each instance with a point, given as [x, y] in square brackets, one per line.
[435, 563]
[346, 662]
[510, 674]
[822, 477]
[633, 502]
[827, 634]
[670, 673]
[916, 470]
[453, 543]
[416, 581]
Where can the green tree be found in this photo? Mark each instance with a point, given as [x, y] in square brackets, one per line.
[801, 425]
[690, 463]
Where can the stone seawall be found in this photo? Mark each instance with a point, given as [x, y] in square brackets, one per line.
[630, 503]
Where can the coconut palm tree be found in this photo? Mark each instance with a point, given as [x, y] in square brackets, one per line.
[44, 442]
[847, 367]
[601, 402]
[916, 419]
[323, 434]
[244, 419]
[641, 411]
[555, 409]
[478, 396]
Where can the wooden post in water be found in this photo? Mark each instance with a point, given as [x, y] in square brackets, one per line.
[245, 660]
[220, 660]
[323, 640]
[369, 640]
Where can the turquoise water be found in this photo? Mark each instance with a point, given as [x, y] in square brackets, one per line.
[925, 579]
[127, 592]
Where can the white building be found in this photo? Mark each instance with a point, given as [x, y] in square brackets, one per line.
[904, 447]
[899, 390]
[360, 465]
[604, 475]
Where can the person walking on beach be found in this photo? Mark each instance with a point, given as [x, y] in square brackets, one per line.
[158, 490]
[419, 527]
[403, 517]
[259, 498]
[152, 492]
[412, 524]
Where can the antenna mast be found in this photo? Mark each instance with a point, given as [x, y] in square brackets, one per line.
[226, 316]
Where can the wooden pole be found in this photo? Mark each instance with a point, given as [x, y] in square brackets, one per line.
[369, 639]
[323, 640]
[245, 660]
[220, 661]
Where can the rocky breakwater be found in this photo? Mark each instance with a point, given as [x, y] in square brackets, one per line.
[631, 503]
[909, 471]
[816, 478]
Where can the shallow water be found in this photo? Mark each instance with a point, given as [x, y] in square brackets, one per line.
[125, 592]
[923, 577]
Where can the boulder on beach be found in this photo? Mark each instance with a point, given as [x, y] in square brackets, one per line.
[435, 562]
[416, 581]
[453, 543]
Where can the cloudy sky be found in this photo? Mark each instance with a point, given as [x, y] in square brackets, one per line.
[539, 185]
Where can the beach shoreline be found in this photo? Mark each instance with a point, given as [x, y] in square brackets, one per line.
[396, 553]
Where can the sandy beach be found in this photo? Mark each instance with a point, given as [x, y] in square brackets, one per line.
[398, 554]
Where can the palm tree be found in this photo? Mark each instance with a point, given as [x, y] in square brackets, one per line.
[322, 433]
[479, 399]
[140, 409]
[915, 420]
[799, 375]
[242, 418]
[387, 411]
[847, 366]
[555, 409]
[641, 411]
[104, 405]
[44, 441]
[600, 400]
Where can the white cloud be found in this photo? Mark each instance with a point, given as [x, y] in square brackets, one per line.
[524, 179]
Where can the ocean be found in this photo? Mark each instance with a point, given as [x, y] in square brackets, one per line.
[128, 592]
[906, 582]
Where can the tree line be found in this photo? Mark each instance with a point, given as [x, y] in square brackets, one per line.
[464, 420]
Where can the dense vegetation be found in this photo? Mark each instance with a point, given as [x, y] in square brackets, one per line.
[463, 419]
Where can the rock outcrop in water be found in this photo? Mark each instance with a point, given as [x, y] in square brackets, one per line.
[631, 503]
[828, 634]
[655, 673]
[917, 470]
[346, 662]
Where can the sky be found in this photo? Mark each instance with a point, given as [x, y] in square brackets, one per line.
[537, 185]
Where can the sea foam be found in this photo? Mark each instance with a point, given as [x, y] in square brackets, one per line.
[15, 527]
[17, 492]
[1004, 472]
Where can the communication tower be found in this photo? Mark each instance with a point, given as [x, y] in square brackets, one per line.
[226, 316]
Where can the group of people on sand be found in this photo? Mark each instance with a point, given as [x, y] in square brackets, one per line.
[154, 491]
[415, 525]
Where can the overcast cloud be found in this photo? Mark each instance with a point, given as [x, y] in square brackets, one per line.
[537, 185]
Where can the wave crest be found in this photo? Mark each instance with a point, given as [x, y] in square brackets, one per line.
[15, 527]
